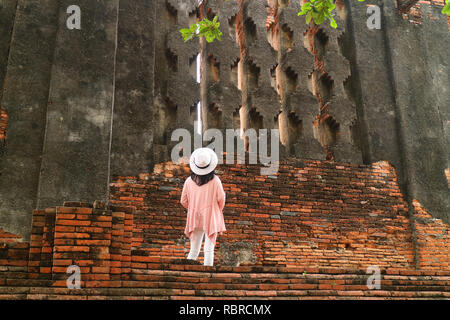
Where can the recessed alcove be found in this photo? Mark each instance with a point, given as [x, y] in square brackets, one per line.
[166, 119]
[315, 40]
[273, 77]
[213, 73]
[253, 75]
[320, 42]
[256, 120]
[214, 116]
[234, 73]
[287, 35]
[327, 131]
[210, 14]
[284, 3]
[294, 127]
[171, 14]
[193, 16]
[291, 80]
[172, 60]
[232, 27]
[310, 84]
[275, 118]
[355, 131]
[236, 118]
[193, 66]
[323, 87]
[250, 31]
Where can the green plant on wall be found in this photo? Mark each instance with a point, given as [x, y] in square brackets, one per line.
[446, 9]
[206, 28]
[315, 10]
[319, 10]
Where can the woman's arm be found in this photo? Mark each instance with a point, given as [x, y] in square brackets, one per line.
[220, 195]
[184, 196]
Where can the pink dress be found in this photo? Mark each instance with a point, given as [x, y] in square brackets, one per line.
[205, 207]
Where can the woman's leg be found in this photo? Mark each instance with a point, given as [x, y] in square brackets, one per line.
[209, 251]
[195, 245]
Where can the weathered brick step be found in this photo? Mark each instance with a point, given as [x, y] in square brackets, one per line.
[15, 275]
[161, 264]
[221, 282]
[290, 283]
[184, 282]
[11, 282]
[165, 293]
[286, 277]
[225, 285]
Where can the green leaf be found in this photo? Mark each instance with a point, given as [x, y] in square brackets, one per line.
[308, 17]
[333, 23]
[446, 9]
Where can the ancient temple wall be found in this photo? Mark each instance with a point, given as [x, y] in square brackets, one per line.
[7, 17]
[82, 106]
[133, 130]
[25, 87]
[423, 111]
[76, 153]
[403, 120]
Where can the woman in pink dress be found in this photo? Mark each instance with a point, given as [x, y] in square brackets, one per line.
[204, 199]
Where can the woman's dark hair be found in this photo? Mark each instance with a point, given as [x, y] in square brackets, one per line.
[201, 180]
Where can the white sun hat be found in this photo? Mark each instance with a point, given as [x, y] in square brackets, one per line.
[203, 161]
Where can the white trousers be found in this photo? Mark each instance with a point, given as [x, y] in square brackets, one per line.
[208, 248]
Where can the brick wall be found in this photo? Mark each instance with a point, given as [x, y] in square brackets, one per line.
[311, 213]
[308, 232]
[13, 254]
[415, 15]
[433, 237]
[93, 237]
[8, 237]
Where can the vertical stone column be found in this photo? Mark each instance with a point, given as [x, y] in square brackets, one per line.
[371, 86]
[242, 71]
[75, 163]
[299, 106]
[337, 114]
[258, 58]
[401, 119]
[176, 89]
[280, 43]
[25, 96]
[422, 110]
[261, 58]
[183, 89]
[7, 16]
[132, 133]
[222, 96]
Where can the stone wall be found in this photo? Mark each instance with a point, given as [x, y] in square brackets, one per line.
[25, 91]
[103, 101]
[397, 110]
